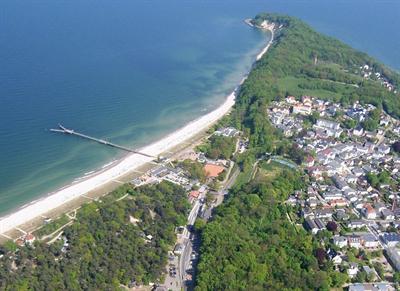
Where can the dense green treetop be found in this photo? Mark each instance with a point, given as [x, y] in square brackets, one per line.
[108, 245]
[251, 243]
[302, 61]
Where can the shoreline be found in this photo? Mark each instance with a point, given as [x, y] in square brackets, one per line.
[118, 168]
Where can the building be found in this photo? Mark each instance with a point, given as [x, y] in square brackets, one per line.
[352, 270]
[320, 224]
[340, 182]
[368, 211]
[328, 196]
[309, 162]
[338, 202]
[291, 100]
[327, 124]
[383, 149]
[323, 213]
[312, 202]
[354, 241]
[378, 286]
[227, 132]
[340, 241]
[29, 239]
[387, 214]
[358, 131]
[311, 226]
[193, 195]
[394, 257]
[370, 241]
[326, 128]
[391, 239]
[178, 249]
[302, 109]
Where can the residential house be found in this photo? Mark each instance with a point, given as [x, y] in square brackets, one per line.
[379, 286]
[391, 239]
[340, 241]
[311, 225]
[394, 257]
[352, 179]
[352, 270]
[302, 109]
[368, 211]
[291, 100]
[178, 249]
[356, 224]
[370, 241]
[358, 131]
[354, 241]
[338, 202]
[323, 213]
[387, 214]
[383, 149]
[29, 239]
[312, 202]
[309, 162]
[320, 224]
[324, 123]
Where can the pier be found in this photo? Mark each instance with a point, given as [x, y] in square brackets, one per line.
[65, 130]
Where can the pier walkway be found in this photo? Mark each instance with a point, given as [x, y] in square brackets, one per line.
[63, 129]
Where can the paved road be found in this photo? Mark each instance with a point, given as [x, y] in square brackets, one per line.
[184, 264]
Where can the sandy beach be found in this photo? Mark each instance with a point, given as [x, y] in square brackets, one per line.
[116, 170]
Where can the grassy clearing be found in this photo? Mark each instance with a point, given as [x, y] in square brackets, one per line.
[303, 86]
[52, 226]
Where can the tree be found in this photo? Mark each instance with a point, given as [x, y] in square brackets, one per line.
[361, 277]
[331, 226]
[372, 122]
[10, 246]
[314, 117]
[338, 279]
[373, 179]
[396, 146]
[199, 224]
[349, 123]
[220, 147]
[103, 242]
[320, 255]
[379, 269]
[396, 277]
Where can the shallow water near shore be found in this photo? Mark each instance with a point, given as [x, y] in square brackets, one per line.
[129, 71]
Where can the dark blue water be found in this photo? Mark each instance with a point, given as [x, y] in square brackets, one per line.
[133, 71]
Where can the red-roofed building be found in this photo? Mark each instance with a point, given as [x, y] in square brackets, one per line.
[338, 202]
[212, 170]
[291, 100]
[194, 194]
[309, 161]
[30, 238]
[368, 211]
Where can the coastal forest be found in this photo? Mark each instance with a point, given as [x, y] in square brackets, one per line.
[112, 243]
[251, 244]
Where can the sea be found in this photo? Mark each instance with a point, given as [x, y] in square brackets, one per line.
[133, 71]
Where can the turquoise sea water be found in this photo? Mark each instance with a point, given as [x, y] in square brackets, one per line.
[132, 71]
